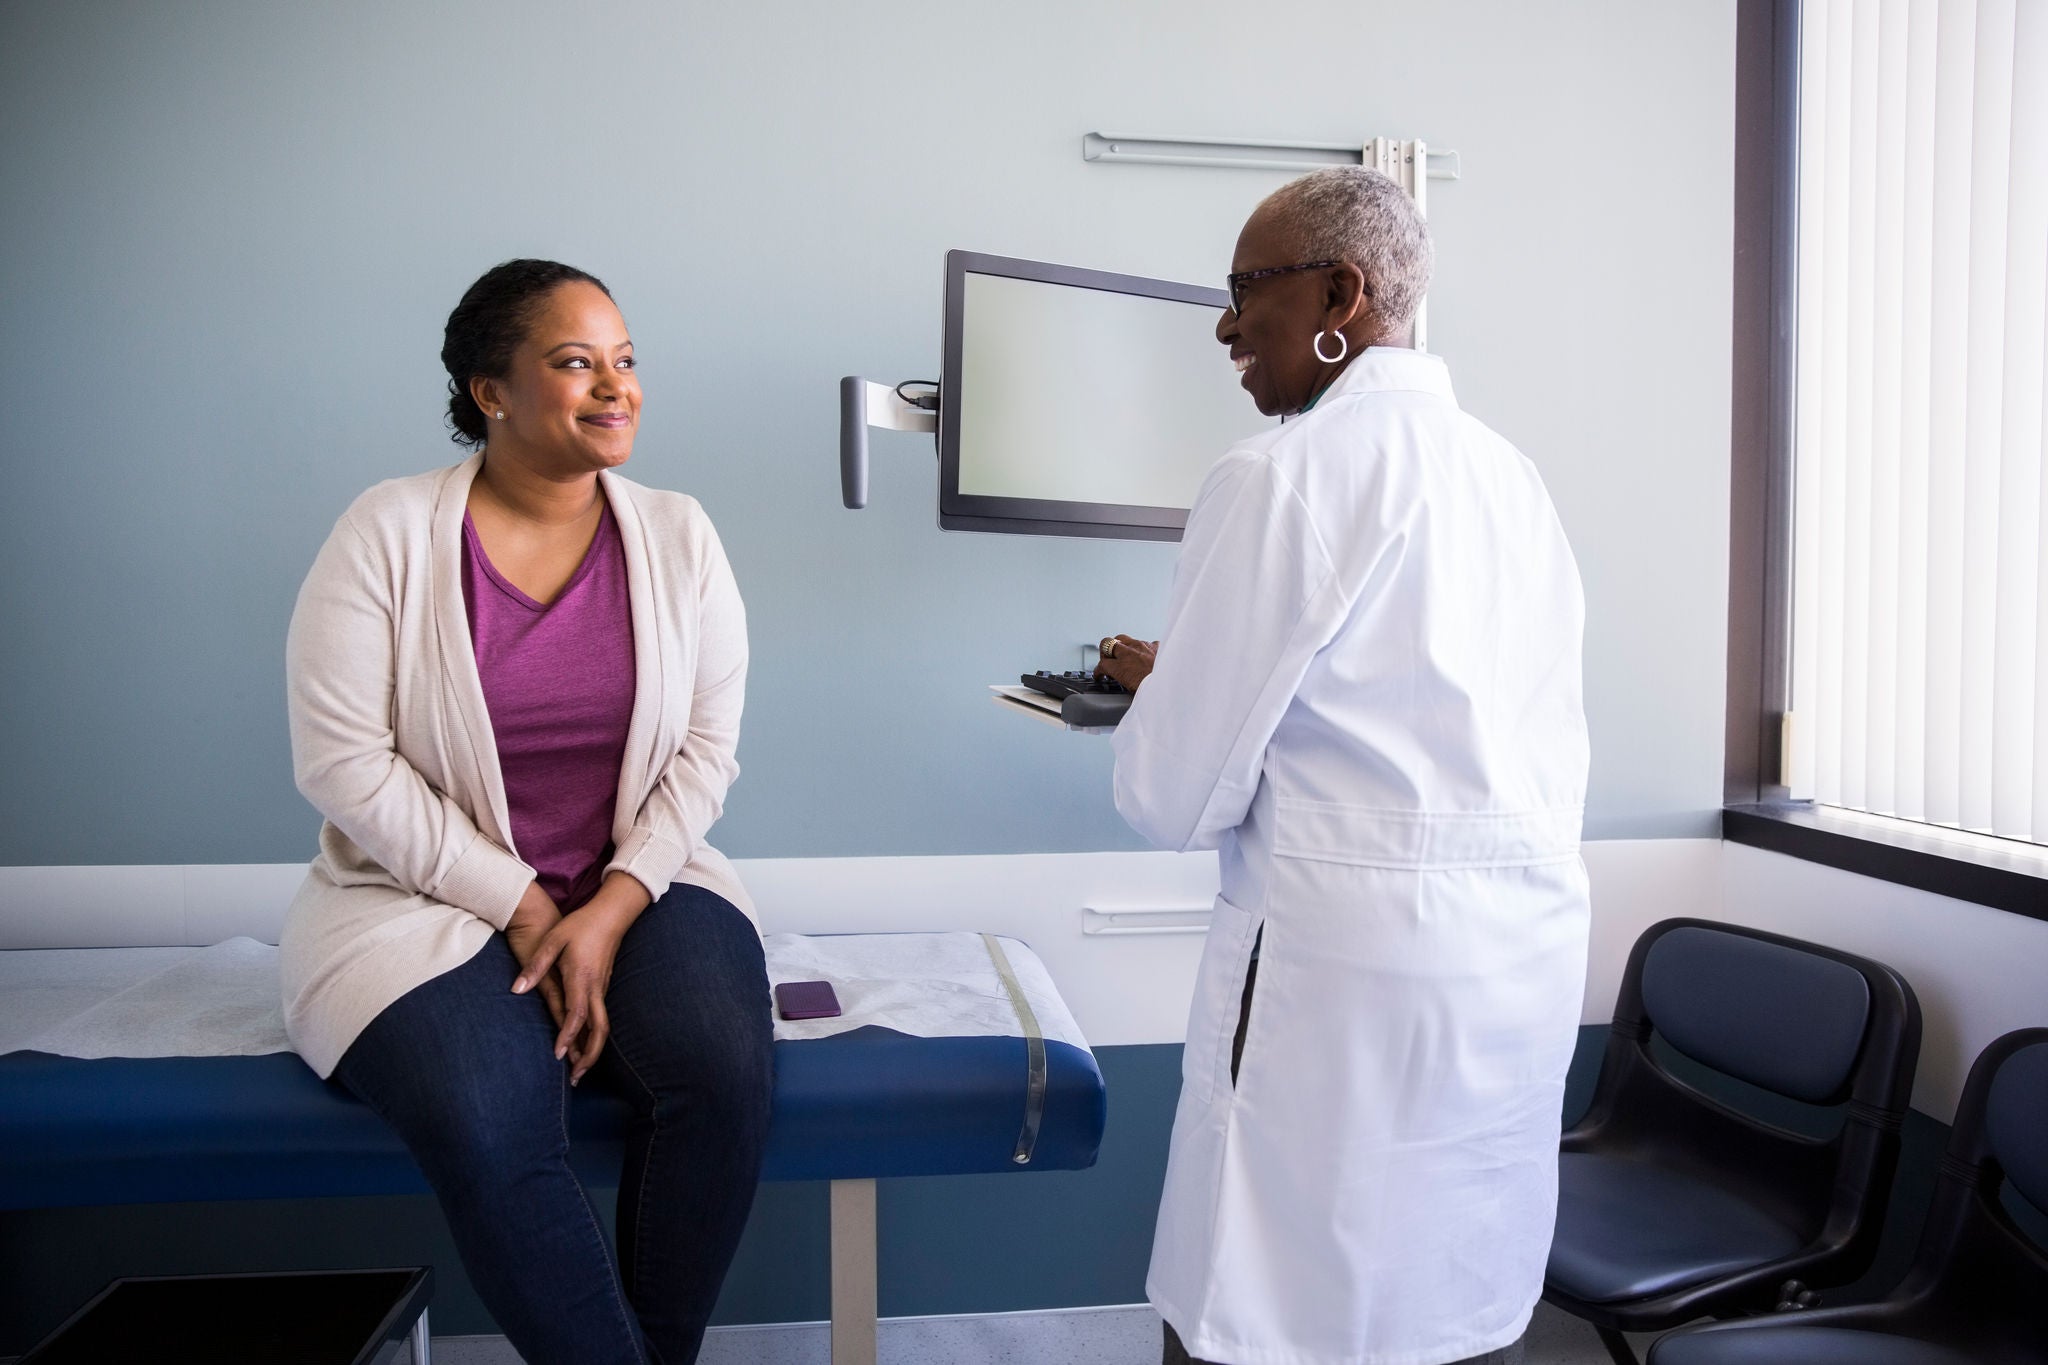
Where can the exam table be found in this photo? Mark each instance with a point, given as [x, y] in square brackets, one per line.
[156, 1075]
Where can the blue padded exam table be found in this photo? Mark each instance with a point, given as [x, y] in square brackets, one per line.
[849, 1109]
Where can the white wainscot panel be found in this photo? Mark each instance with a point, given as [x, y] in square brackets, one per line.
[1124, 987]
[1636, 883]
[144, 906]
[1978, 972]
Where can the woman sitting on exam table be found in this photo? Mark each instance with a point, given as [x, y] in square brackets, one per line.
[1367, 697]
[515, 690]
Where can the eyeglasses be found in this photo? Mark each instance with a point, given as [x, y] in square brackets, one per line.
[1242, 278]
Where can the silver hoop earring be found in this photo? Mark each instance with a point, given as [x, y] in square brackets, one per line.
[501, 414]
[1343, 348]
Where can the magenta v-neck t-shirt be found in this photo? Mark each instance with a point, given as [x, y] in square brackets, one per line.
[558, 679]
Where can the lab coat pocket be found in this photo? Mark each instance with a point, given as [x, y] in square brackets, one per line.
[1219, 991]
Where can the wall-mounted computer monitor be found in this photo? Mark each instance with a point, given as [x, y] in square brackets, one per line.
[1080, 403]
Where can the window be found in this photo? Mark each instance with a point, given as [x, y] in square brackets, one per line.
[1918, 578]
[1886, 645]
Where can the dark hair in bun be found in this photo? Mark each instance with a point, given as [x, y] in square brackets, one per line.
[488, 325]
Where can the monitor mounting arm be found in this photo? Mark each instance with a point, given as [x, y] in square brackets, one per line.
[864, 404]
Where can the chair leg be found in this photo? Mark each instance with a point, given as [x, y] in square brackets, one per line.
[1617, 1346]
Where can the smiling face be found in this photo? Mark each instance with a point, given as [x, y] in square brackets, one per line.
[570, 397]
[1272, 341]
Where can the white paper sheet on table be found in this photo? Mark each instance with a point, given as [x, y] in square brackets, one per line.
[223, 1001]
[926, 985]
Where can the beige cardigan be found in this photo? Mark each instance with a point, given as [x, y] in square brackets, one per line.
[391, 741]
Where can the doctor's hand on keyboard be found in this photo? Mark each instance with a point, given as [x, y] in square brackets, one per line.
[1126, 659]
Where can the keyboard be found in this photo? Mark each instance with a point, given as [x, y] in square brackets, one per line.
[1072, 684]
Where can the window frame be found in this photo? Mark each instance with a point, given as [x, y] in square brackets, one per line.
[1757, 806]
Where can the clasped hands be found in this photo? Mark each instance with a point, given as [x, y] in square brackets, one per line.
[568, 959]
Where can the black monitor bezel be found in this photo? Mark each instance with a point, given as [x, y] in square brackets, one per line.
[1037, 516]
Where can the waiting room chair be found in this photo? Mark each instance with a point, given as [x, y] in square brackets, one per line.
[1673, 1204]
[1978, 1290]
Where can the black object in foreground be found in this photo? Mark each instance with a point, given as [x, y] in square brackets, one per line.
[343, 1317]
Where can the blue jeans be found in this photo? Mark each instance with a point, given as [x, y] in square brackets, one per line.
[465, 1072]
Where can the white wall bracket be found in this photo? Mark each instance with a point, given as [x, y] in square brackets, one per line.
[1252, 155]
[1120, 921]
[863, 404]
[1409, 164]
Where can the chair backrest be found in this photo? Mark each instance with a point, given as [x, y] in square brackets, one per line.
[2016, 1114]
[1980, 1276]
[1785, 1018]
[1802, 1020]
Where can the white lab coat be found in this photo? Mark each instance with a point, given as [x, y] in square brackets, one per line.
[1367, 697]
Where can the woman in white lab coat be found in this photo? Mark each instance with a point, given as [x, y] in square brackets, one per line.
[1367, 698]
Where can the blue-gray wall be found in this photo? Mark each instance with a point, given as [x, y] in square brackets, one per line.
[232, 233]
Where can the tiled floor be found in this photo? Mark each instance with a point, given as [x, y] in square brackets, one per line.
[1099, 1336]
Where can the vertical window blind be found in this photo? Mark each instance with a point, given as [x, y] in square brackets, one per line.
[1920, 587]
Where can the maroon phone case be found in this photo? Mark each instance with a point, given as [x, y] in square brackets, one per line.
[806, 1000]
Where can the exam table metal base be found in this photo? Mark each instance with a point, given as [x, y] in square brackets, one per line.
[854, 1304]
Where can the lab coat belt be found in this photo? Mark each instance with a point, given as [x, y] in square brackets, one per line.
[1424, 841]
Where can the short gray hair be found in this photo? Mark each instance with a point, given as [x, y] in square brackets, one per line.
[1352, 213]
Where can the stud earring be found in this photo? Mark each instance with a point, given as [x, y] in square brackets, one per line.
[501, 414]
